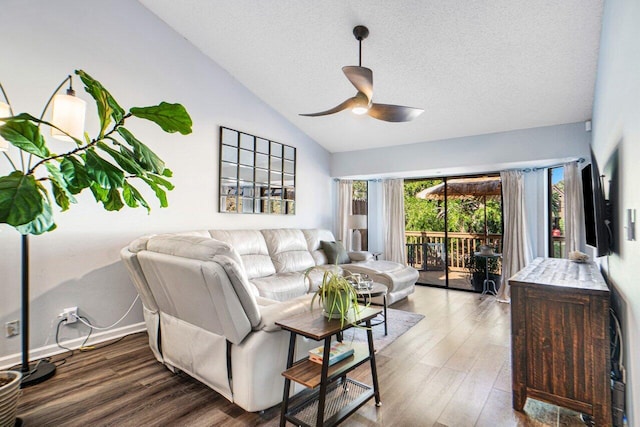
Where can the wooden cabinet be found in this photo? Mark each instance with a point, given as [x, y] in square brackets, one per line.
[560, 337]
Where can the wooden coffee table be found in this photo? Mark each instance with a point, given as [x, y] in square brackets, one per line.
[377, 290]
[332, 396]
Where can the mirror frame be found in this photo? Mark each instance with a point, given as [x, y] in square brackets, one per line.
[256, 175]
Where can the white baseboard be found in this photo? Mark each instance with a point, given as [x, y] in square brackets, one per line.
[52, 350]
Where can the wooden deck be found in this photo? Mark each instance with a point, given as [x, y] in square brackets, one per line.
[457, 279]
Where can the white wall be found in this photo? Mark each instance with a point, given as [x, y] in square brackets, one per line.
[142, 62]
[481, 153]
[616, 128]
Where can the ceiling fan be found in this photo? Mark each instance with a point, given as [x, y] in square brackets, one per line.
[362, 78]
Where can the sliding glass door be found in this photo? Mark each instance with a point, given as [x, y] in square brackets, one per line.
[426, 231]
[447, 220]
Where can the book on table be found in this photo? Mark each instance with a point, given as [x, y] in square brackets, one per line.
[339, 351]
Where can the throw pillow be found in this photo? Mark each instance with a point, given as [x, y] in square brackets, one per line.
[335, 252]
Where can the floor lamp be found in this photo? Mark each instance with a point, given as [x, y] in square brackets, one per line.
[68, 117]
[357, 223]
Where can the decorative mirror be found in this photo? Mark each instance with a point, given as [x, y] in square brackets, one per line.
[256, 175]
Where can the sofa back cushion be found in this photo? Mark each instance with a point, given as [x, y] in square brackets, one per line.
[251, 247]
[183, 269]
[288, 250]
[335, 252]
[313, 237]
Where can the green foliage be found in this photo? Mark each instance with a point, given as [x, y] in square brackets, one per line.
[464, 215]
[26, 136]
[170, 117]
[360, 190]
[103, 164]
[20, 199]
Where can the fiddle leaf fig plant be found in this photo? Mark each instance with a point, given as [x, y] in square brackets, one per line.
[110, 165]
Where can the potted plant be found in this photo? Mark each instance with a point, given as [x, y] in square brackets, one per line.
[108, 165]
[9, 392]
[337, 296]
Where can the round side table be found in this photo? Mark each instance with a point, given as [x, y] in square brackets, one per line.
[377, 290]
[486, 290]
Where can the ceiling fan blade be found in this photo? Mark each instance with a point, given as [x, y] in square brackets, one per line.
[349, 103]
[393, 113]
[361, 78]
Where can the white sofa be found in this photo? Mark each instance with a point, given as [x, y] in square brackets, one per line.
[211, 300]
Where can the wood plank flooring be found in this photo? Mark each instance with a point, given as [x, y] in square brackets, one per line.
[451, 369]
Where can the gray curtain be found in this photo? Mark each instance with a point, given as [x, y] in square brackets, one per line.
[516, 248]
[345, 197]
[574, 208]
[393, 205]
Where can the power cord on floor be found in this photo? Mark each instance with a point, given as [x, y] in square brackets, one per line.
[82, 346]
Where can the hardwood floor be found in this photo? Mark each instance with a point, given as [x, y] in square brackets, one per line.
[451, 369]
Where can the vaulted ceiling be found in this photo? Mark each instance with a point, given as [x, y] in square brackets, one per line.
[475, 67]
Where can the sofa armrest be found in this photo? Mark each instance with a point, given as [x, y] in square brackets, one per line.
[360, 256]
[273, 312]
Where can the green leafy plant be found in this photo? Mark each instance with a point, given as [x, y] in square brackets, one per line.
[337, 296]
[107, 164]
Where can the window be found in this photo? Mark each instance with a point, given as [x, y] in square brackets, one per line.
[360, 206]
[556, 213]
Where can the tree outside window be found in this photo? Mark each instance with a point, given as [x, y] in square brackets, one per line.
[556, 213]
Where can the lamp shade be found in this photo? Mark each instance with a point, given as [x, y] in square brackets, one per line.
[68, 114]
[357, 222]
[5, 111]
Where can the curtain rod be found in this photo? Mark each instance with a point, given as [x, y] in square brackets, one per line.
[368, 180]
[534, 169]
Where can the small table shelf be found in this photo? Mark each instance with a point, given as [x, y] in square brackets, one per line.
[342, 399]
[309, 373]
[332, 396]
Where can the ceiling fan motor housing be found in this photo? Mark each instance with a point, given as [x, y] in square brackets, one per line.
[361, 32]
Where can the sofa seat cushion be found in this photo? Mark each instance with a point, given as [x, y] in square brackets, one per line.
[377, 266]
[288, 250]
[252, 249]
[281, 286]
[316, 274]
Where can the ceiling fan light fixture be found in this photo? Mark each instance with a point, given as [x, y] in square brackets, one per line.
[360, 110]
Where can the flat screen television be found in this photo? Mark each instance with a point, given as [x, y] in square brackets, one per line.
[597, 212]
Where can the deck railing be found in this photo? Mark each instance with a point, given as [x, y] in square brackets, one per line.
[426, 249]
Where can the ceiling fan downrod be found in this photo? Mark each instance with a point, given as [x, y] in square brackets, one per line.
[360, 32]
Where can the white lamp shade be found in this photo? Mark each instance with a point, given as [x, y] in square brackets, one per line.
[357, 222]
[68, 114]
[5, 111]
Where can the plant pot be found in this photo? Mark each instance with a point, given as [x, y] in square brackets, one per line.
[9, 392]
[336, 305]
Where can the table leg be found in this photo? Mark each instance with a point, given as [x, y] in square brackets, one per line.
[287, 382]
[384, 300]
[323, 381]
[374, 370]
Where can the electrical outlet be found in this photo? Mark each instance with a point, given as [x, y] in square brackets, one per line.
[12, 328]
[69, 315]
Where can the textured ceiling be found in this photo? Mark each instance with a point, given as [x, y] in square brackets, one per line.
[475, 67]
